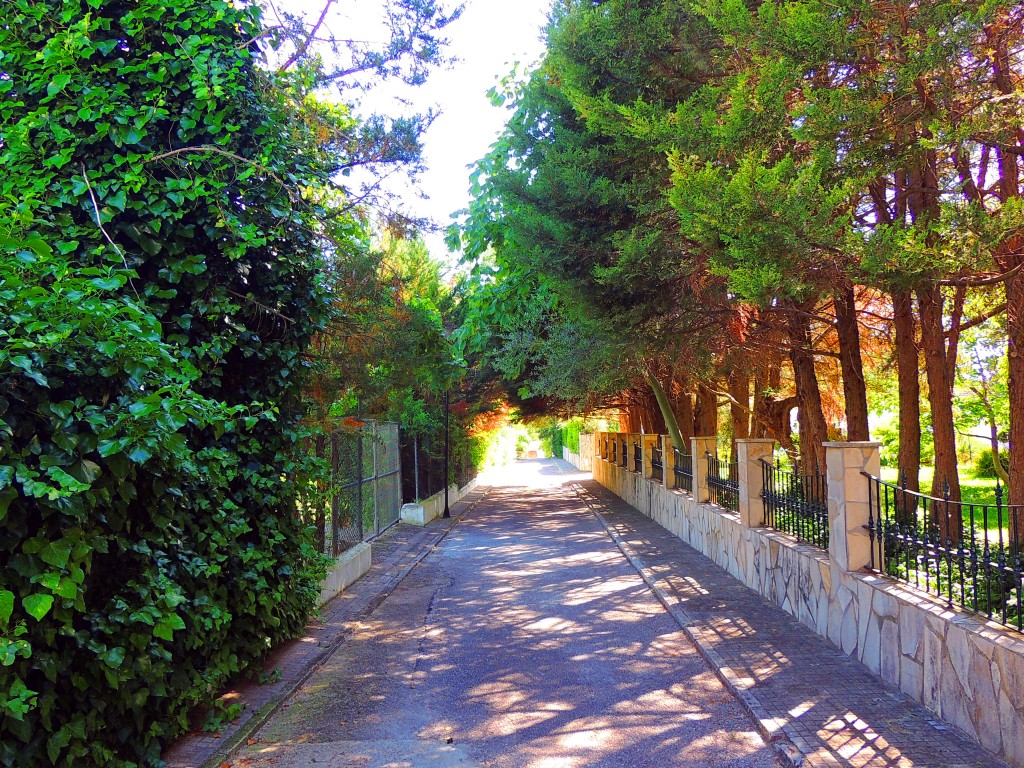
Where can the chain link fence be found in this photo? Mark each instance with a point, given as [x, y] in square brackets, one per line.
[362, 494]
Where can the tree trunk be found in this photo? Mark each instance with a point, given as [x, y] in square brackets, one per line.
[947, 477]
[757, 421]
[667, 413]
[739, 406]
[684, 418]
[855, 391]
[1015, 352]
[908, 459]
[705, 422]
[813, 429]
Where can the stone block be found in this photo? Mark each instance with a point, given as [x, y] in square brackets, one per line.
[889, 668]
[1011, 678]
[848, 636]
[956, 705]
[958, 653]
[417, 514]
[871, 649]
[984, 702]
[350, 566]
[911, 678]
[911, 631]
[1012, 727]
[931, 694]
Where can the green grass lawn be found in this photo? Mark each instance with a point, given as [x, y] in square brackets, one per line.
[973, 490]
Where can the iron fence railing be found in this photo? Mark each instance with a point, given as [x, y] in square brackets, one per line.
[614, 452]
[623, 453]
[796, 503]
[638, 457]
[682, 470]
[657, 465]
[968, 554]
[723, 483]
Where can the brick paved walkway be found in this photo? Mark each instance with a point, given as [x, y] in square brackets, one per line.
[394, 553]
[829, 707]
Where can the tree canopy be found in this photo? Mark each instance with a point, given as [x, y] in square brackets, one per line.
[766, 208]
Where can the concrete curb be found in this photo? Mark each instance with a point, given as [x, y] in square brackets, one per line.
[785, 743]
[261, 716]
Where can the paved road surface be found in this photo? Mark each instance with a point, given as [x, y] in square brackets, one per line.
[526, 640]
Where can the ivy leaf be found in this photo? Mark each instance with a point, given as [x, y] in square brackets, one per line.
[164, 628]
[7, 495]
[6, 605]
[37, 606]
[114, 658]
[58, 84]
[57, 553]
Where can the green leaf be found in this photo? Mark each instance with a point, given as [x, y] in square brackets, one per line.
[111, 283]
[7, 495]
[114, 657]
[6, 605]
[139, 455]
[119, 465]
[57, 553]
[57, 84]
[164, 628]
[37, 606]
[87, 471]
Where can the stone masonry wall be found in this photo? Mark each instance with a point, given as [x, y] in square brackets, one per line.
[583, 460]
[967, 671]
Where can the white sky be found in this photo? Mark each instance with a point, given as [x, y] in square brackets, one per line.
[488, 39]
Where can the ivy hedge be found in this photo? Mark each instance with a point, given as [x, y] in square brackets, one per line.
[159, 254]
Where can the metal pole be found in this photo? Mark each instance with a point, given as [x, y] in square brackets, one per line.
[359, 482]
[447, 451]
[376, 483]
[416, 465]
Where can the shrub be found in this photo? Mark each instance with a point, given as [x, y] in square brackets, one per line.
[985, 467]
[148, 370]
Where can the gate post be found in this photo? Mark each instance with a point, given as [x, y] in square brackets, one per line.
[750, 453]
[700, 447]
[849, 501]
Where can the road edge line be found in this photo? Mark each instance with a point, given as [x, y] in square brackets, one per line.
[781, 739]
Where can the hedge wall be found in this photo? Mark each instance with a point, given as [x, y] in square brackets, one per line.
[148, 369]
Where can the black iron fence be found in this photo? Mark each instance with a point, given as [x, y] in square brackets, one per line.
[723, 483]
[615, 452]
[968, 554]
[657, 465]
[796, 503]
[623, 453]
[682, 470]
[638, 457]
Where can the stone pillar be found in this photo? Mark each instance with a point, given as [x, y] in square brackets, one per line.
[668, 458]
[751, 452]
[586, 451]
[700, 447]
[849, 544]
[648, 443]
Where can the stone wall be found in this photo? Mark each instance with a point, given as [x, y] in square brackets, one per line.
[967, 671]
[584, 460]
[424, 511]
